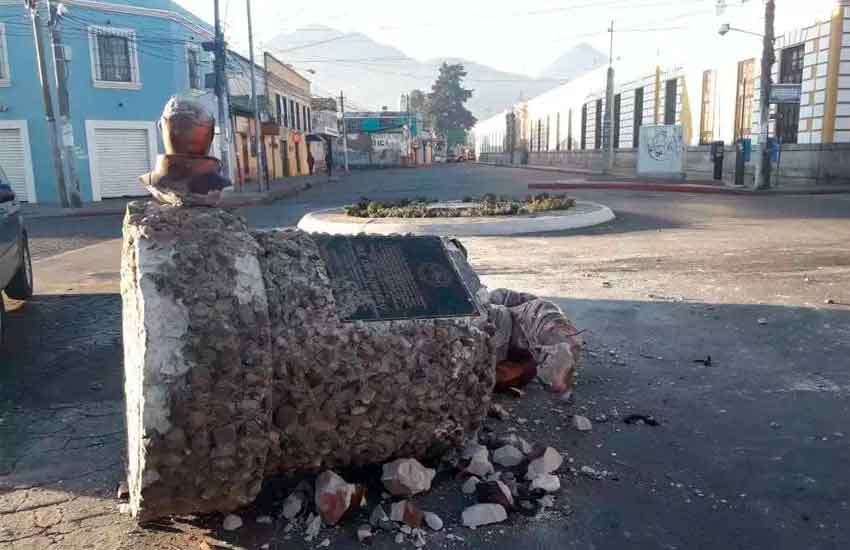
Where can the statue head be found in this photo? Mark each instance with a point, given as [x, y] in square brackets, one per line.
[187, 127]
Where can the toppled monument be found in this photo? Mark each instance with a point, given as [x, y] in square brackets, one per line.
[250, 354]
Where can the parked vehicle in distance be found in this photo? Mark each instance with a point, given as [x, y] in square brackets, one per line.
[16, 278]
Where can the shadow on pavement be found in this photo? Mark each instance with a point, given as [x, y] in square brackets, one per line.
[751, 452]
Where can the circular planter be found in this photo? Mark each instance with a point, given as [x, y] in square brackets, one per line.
[335, 221]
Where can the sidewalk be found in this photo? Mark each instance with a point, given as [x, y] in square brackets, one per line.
[250, 196]
[597, 181]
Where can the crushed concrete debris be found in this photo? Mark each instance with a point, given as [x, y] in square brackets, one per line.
[314, 525]
[548, 463]
[469, 485]
[407, 477]
[494, 492]
[499, 412]
[434, 522]
[380, 519]
[364, 533]
[546, 482]
[292, 505]
[582, 423]
[333, 497]
[231, 522]
[484, 514]
[480, 464]
[508, 456]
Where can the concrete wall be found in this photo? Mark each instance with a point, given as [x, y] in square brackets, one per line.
[825, 164]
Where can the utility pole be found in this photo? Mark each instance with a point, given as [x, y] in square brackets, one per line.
[768, 58]
[66, 146]
[220, 92]
[344, 131]
[259, 145]
[53, 131]
[608, 127]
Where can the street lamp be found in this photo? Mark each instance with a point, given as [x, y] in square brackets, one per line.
[725, 28]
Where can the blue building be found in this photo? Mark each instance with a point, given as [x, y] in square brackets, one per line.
[125, 59]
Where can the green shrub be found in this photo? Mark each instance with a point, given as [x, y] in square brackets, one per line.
[490, 205]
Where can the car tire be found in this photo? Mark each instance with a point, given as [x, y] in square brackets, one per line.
[21, 287]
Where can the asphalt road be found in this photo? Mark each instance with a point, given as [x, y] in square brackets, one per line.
[751, 452]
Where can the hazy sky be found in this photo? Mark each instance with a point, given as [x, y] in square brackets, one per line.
[524, 37]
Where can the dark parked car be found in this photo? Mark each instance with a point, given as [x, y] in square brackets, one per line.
[15, 263]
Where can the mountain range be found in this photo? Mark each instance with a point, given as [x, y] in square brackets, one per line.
[375, 75]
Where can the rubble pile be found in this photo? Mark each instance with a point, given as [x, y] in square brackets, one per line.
[527, 486]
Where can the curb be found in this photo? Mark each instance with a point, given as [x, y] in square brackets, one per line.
[315, 222]
[625, 184]
[683, 188]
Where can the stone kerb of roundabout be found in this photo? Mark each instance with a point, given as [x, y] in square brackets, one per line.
[335, 221]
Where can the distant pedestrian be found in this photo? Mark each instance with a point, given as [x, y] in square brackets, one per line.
[329, 159]
[311, 162]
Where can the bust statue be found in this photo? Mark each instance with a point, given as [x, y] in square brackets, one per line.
[185, 175]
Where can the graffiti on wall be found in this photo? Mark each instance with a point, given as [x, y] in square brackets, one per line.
[662, 150]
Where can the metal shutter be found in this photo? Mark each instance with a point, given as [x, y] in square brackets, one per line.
[12, 155]
[121, 155]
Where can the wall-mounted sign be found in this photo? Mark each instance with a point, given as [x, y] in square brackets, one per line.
[786, 93]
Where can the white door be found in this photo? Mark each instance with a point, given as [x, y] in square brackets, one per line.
[120, 152]
[15, 158]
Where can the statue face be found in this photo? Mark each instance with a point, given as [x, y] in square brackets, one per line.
[187, 128]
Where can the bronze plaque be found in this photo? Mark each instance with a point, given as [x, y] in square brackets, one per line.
[389, 278]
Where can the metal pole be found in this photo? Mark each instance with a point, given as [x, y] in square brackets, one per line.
[767, 61]
[608, 127]
[220, 93]
[66, 146]
[259, 148]
[344, 131]
[53, 131]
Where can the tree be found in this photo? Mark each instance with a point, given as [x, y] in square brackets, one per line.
[418, 102]
[447, 101]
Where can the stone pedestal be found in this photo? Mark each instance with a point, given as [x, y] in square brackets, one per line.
[239, 365]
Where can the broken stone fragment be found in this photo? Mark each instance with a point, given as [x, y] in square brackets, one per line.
[494, 492]
[333, 497]
[314, 525]
[508, 456]
[406, 512]
[364, 534]
[546, 482]
[582, 423]
[418, 539]
[471, 449]
[480, 465]
[231, 522]
[379, 519]
[433, 521]
[407, 477]
[498, 411]
[548, 463]
[469, 485]
[484, 514]
[292, 505]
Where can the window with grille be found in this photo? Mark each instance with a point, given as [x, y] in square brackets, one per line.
[618, 101]
[597, 137]
[584, 126]
[4, 57]
[638, 118]
[114, 57]
[788, 114]
[671, 101]
[193, 62]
